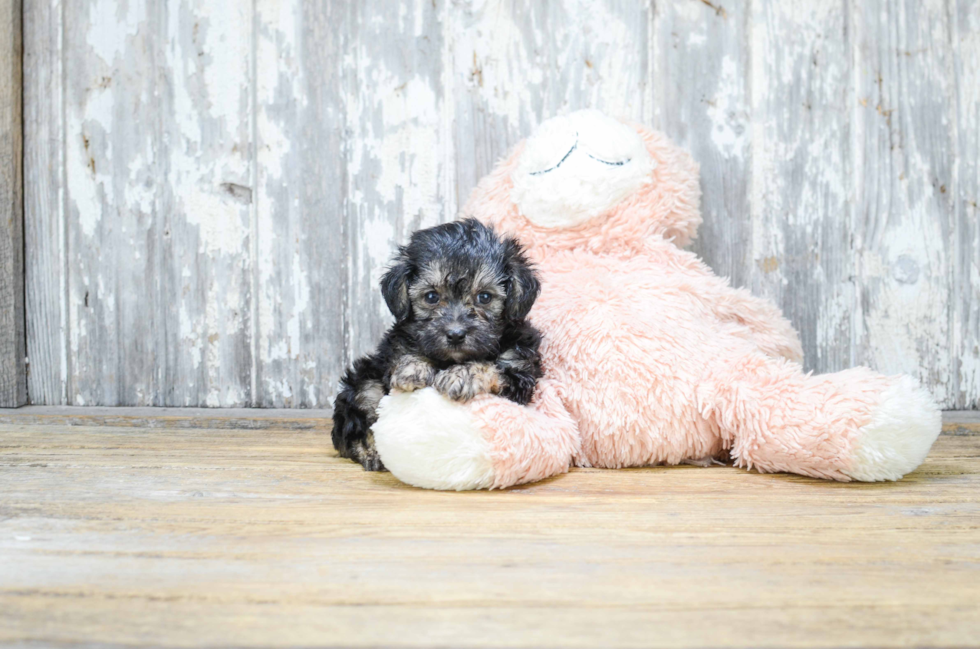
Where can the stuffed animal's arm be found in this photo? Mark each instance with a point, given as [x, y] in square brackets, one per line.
[761, 321]
[764, 324]
[772, 332]
[490, 442]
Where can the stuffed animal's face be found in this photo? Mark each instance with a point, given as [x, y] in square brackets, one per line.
[586, 180]
[576, 167]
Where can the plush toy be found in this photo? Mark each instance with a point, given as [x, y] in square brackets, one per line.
[649, 358]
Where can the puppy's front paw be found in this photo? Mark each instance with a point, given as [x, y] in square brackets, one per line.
[367, 456]
[371, 461]
[463, 382]
[412, 373]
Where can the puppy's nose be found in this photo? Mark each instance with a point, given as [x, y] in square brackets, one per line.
[455, 335]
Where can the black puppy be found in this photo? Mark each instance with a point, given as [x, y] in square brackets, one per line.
[460, 295]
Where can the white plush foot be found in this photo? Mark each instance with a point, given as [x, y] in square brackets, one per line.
[428, 441]
[901, 432]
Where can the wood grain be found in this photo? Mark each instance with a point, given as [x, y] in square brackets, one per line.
[903, 178]
[114, 181]
[965, 265]
[801, 180]
[45, 229]
[203, 218]
[209, 203]
[13, 351]
[159, 273]
[300, 273]
[701, 75]
[207, 537]
[190, 418]
[399, 176]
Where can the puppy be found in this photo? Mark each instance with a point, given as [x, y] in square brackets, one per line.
[460, 295]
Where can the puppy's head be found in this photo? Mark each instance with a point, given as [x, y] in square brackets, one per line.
[456, 286]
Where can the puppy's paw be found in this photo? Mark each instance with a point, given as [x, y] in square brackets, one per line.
[463, 382]
[412, 373]
[365, 454]
[371, 461]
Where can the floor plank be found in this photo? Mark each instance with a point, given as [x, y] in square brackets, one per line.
[151, 534]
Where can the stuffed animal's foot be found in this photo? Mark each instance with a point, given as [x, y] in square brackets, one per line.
[902, 429]
[849, 425]
[430, 441]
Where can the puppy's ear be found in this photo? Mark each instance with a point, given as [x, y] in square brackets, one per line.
[522, 283]
[394, 288]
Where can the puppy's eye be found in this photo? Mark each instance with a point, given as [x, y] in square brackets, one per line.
[484, 298]
[431, 297]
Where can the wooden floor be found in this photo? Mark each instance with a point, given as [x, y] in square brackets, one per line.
[216, 528]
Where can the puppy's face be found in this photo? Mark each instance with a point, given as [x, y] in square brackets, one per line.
[455, 287]
[457, 306]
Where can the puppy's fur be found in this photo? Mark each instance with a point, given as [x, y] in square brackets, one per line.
[460, 296]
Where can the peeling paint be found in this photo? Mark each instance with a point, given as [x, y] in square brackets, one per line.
[110, 29]
[220, 222]
[235, 183]
[725, 111]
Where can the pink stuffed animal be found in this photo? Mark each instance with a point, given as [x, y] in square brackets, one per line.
[649, 357]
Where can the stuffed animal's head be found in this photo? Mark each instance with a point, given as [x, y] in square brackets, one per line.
[588, 180]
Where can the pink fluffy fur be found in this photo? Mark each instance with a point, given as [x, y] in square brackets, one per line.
[652, 359]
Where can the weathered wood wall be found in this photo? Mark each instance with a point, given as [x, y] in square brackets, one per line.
[13, 349]
[212, 188]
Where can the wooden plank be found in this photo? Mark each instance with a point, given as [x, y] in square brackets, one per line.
[300, 258]
[13, 350]
[187, 418]
[46, 263]
[157, 155]
[521, 626]
[204, 221]
[961, 422]
[955, 422]
[516, 64]
[114, 177]
[701, 97]
[800, 173]
[172, 537]
[399, 168]
[903, 179]
[965, 280]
